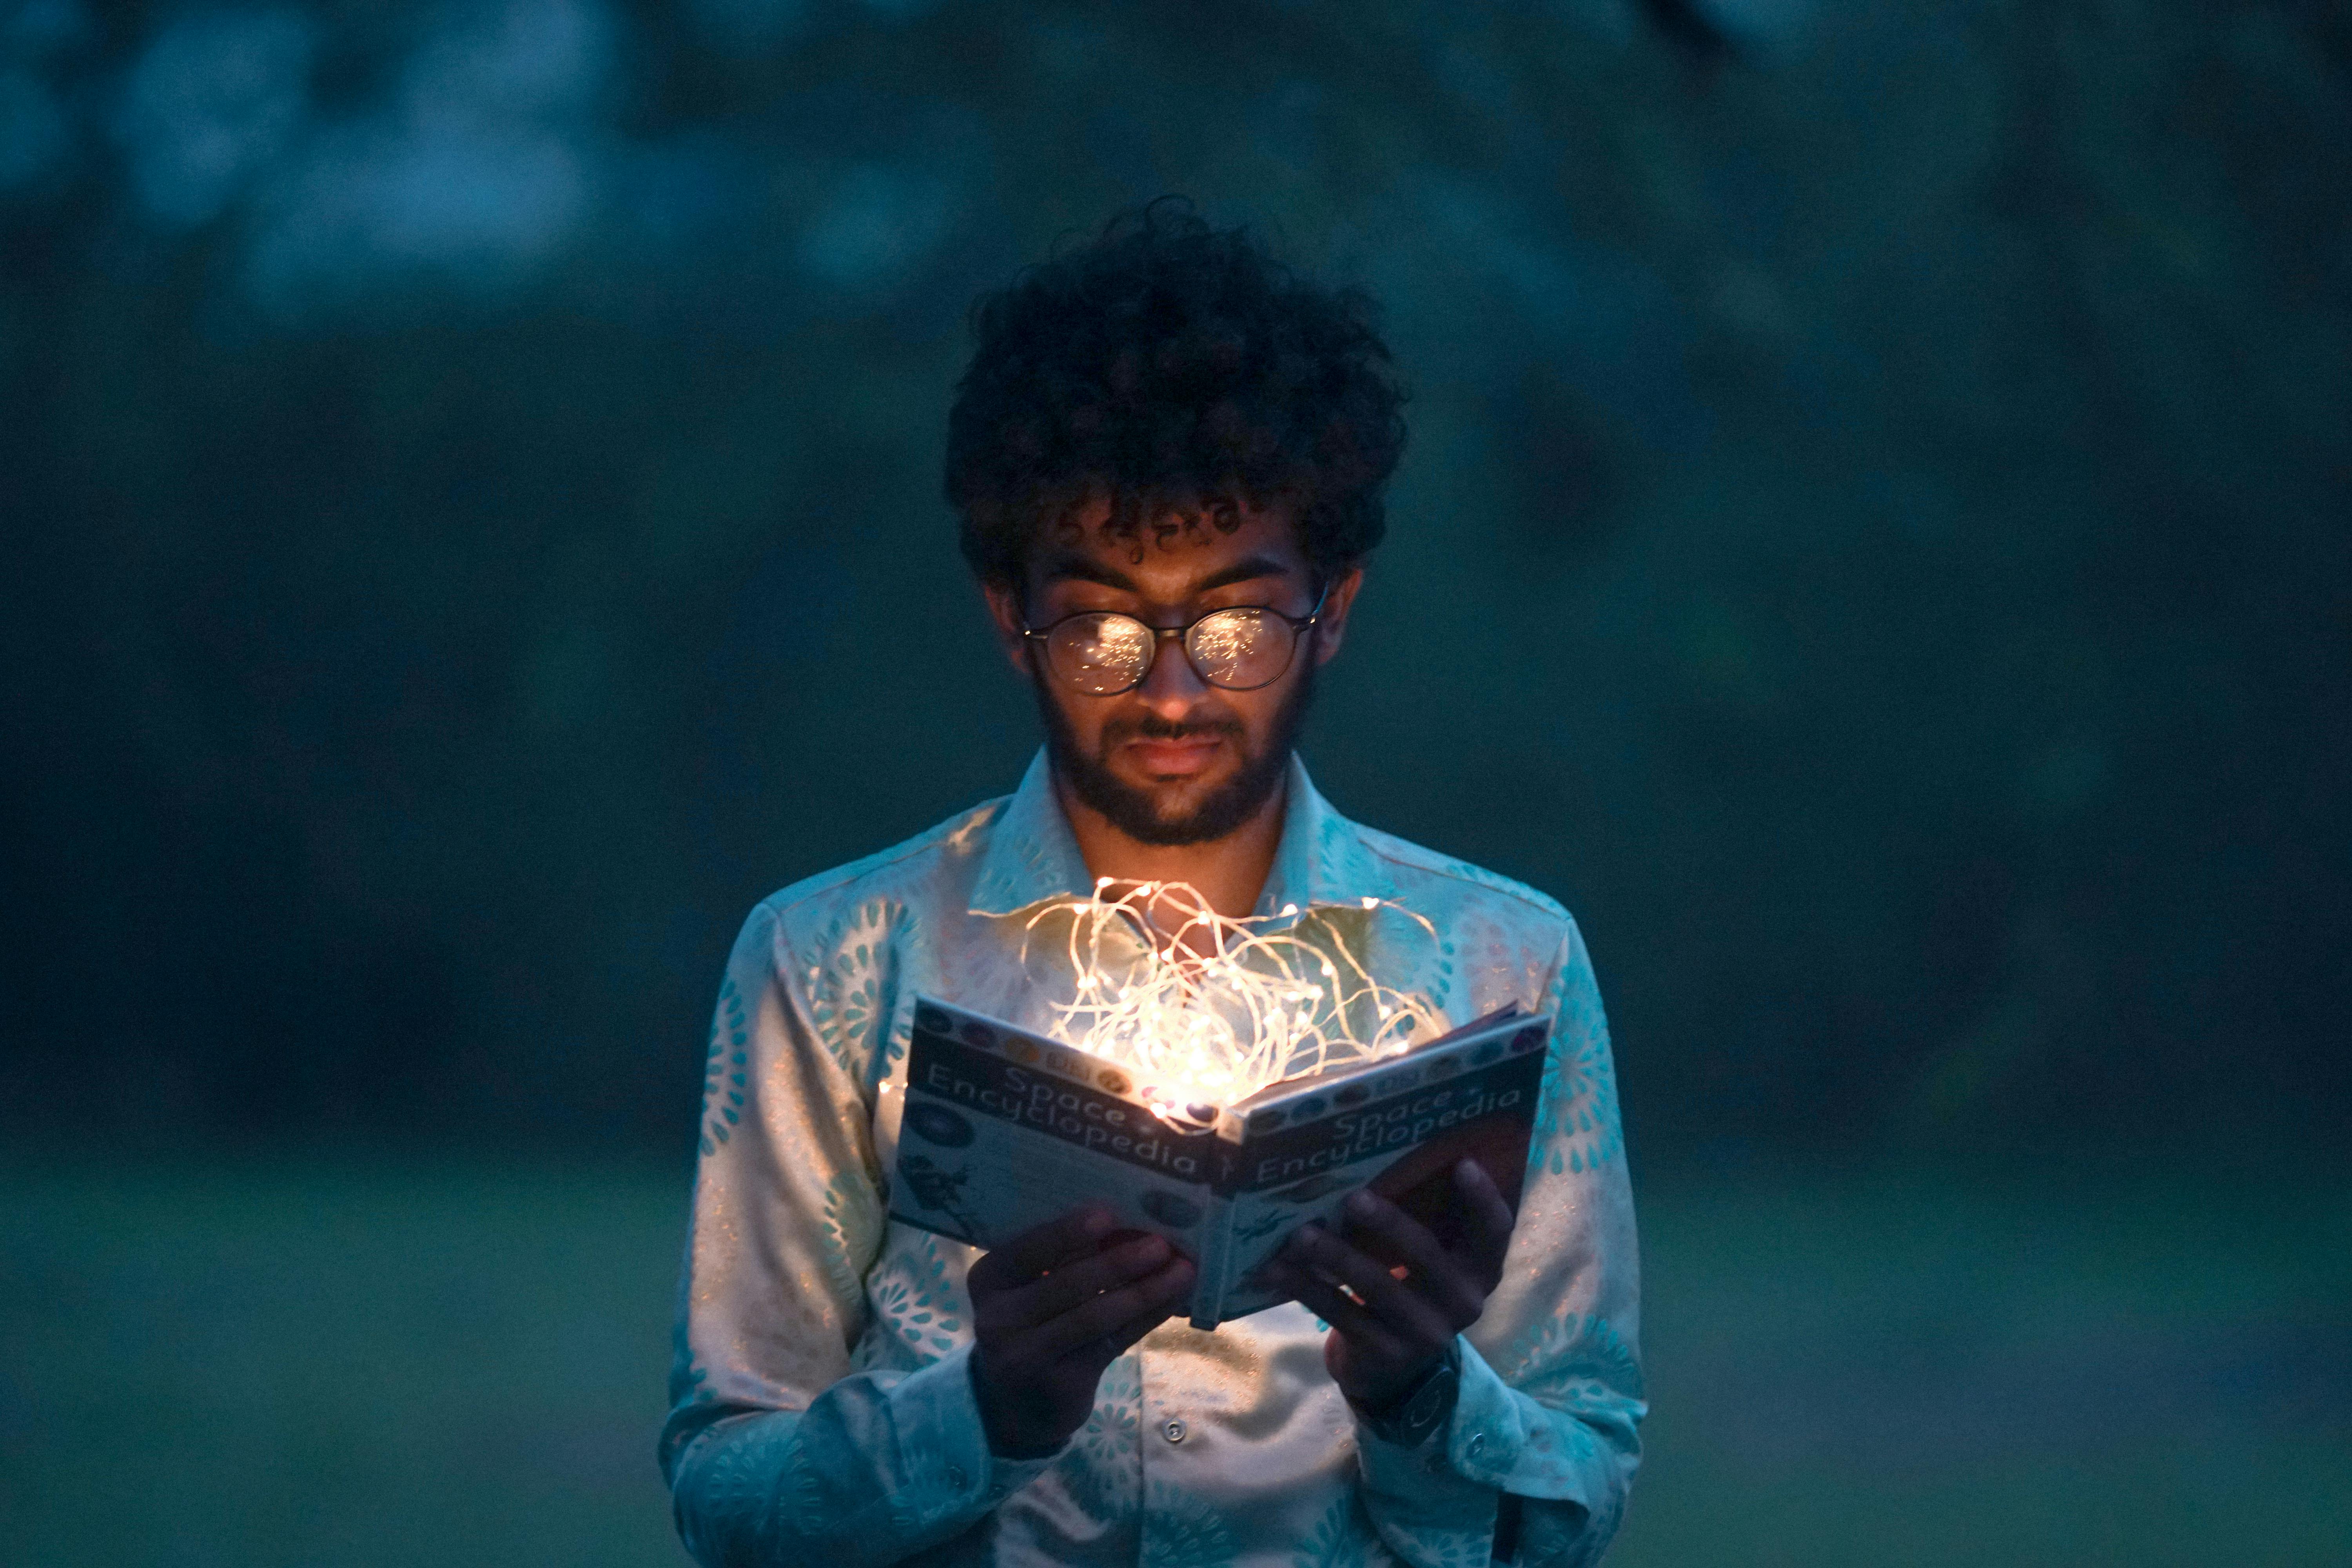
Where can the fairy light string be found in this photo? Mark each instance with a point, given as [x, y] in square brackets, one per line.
[1206, 1009]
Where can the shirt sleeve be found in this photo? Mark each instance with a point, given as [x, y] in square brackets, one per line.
[1549, 1399]
[776, 1447]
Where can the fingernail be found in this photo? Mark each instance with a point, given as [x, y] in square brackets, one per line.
[1096, 1221]
[1362, 1204]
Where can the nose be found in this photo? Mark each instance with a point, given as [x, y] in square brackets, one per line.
[1172, 686]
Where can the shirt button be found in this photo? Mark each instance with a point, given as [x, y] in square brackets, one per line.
[1173, 1431]
[955, 1477]
[1478, 1441]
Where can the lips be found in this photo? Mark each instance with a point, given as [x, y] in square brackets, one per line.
[1163, 758]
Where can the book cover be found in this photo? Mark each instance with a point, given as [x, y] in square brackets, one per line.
[1005, 1130]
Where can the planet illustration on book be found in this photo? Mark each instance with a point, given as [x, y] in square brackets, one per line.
[1176, 1213]
[937, 1124]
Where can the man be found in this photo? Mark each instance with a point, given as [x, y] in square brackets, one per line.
[1168, 456]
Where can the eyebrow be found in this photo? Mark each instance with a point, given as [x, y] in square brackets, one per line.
[1078, 569]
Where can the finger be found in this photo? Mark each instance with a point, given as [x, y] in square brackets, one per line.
[1109, 1311]
[1438, 1276]
[1103, 1320]
[1273, 1274]
[1356, 1324]
[1491, 1220]
[1023, 1258]
[1031, 1349]
[1041, 1301]
[1108, 1348]
[1337, 1282]
[1402, 1311]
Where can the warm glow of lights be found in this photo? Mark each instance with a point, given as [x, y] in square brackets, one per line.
[1214, 1009]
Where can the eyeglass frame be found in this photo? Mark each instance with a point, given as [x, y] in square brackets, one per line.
[1298, 624]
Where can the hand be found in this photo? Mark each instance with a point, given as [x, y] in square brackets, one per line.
[1051, 1309]
[1387, 1331]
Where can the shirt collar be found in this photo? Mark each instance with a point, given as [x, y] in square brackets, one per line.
[1032, 855]
[1322, 859]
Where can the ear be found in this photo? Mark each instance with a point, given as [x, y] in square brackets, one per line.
[1333, 626]
[1004, 617]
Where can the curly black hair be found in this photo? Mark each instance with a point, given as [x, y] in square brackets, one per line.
[1181, 371]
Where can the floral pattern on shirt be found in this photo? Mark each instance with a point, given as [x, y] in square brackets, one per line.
[1102, 1469]
[851, 1236]
[1183, 1531]
[1576, 1116]
[725, 1069]
[915, 1300]
[1343, 1538]
[852, 986]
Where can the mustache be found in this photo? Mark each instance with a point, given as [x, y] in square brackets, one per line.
[1152, 727]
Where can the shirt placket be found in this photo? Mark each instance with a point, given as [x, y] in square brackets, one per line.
[1172, 1448]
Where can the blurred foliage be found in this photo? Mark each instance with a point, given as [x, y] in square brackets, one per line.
[1874, 544]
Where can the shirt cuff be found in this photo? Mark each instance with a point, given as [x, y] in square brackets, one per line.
[934, 1408]
[1503, 1438]
[1483, 1440]
[1428, 1508]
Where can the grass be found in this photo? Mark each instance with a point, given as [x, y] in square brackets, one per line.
[365, 1361]
[2033, 1370]
[345, 1362]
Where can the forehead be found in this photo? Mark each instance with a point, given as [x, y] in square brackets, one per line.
[1168, 560]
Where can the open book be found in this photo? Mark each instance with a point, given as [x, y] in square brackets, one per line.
[1005, 1130]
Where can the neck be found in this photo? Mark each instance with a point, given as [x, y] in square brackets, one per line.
[1229, 872]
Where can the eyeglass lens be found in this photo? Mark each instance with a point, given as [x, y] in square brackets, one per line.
[1105, 654]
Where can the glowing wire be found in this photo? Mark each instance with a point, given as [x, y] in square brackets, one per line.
[1216, 1009]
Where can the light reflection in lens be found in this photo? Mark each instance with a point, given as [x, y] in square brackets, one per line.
[1102, 653]
[1106, 653]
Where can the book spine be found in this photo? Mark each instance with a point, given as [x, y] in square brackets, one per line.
[1216, 1258]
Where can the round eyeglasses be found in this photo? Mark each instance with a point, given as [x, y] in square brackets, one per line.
[1102, 653]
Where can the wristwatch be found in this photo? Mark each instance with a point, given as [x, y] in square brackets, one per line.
[1408, 1420]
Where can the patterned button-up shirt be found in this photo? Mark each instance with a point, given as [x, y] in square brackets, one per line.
[822, 1404]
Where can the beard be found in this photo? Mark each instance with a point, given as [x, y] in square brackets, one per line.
[1133, 811]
